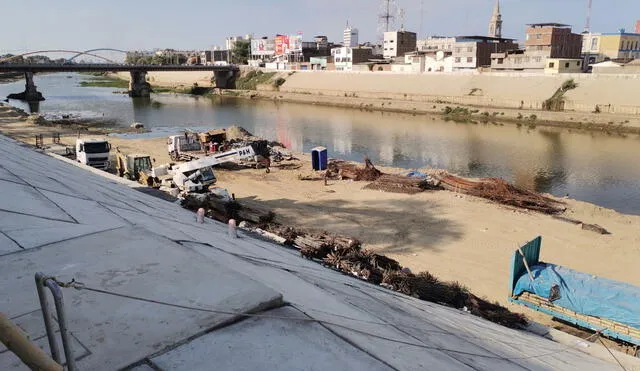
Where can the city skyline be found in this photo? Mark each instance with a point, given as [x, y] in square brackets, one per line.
[199, 24]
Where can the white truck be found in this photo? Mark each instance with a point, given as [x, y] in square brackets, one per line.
[197, 175]
[93, 152]
[184, 147]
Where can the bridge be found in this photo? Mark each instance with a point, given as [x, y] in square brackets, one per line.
[138, 86]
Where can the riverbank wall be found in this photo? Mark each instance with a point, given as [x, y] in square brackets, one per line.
[611, 93]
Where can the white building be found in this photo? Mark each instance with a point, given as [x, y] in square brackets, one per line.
[344, 58]
[350, 37]
[436, 43]
[396, 43]
[230, 42]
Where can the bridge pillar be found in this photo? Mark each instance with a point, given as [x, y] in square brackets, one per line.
[225, 79]
[30, 94]
[138, 85]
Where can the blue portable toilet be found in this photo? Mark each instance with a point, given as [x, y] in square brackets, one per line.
[319, 158]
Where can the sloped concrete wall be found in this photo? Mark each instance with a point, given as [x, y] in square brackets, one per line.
[616, 92]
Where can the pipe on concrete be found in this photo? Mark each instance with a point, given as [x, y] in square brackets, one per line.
[31, 355]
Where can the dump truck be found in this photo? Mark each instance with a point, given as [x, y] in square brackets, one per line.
[137, 167]
[585, 300]
[93, 152]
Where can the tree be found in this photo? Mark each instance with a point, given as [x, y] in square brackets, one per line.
[240, 52]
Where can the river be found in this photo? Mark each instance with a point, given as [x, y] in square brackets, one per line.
[594, 167]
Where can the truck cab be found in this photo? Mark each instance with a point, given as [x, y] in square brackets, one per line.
[93, 152]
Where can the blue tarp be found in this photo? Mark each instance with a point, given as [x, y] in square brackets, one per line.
[584, 293]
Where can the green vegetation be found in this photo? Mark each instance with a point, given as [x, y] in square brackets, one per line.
[166, 58]
[93, 73]
[556, 102]
[278, 82]
[252, 79]
[106, 82]
[193, 90]
[240, 52]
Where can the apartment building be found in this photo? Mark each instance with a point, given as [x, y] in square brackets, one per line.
[543, 41]
[471, 52]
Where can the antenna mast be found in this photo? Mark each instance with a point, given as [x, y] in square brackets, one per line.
[386, 16]
[587, 27]
[421, 17]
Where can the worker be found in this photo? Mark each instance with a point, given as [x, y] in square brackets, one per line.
[214, 146]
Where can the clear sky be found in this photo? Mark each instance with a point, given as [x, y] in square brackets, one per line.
[199, 24]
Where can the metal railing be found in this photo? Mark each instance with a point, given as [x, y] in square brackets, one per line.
[42, 282]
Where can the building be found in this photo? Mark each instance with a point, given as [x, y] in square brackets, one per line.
[495, 25]
[397, 43]
[638, 26]
[321, 41]
[552, 40]
[345, 57]
[435, 43]
[600, 47]
[230, 42]
[559, 65]
[350, 37]
[471, 52]
[591, 49]
[543, 41]
[620, 45]
[209, 57]
[431, 61]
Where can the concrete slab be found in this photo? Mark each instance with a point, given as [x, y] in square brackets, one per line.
[12, 199]
[7, 176]
[428, 336]
[269, 344]
[7, 245]
[136, 262]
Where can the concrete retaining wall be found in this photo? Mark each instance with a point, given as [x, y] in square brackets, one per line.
[612, 93]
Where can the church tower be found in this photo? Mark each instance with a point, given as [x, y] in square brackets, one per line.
[495, 26]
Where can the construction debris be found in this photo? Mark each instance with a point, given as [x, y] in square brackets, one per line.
[223, 209]
[340, 170]
[500, 191]
[403, 184]
[585, 226]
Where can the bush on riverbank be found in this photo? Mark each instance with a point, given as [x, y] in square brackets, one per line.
[252, 79]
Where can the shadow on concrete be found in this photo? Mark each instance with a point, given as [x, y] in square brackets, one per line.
[393, 226]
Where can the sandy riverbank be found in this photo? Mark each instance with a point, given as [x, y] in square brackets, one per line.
[457, 238]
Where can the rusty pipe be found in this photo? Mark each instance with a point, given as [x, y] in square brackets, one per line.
[30, 354]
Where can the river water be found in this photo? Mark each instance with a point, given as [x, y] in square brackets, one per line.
[594, 167]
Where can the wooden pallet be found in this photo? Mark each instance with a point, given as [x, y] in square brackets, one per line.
[596, 322]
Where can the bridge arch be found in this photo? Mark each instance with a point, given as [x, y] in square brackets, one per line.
[96, 50]
[58, 51]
